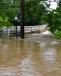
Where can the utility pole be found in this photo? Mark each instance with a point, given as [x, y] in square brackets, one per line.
[22, 21]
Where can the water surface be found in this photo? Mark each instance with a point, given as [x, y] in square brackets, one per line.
[33, 56]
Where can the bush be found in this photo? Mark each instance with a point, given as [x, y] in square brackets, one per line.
[57, 34]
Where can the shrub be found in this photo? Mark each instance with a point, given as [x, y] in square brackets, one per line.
[57, 34]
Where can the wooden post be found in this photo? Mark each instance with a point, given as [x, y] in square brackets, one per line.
[22, 21]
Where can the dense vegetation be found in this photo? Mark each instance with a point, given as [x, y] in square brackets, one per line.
[8, 11]
[55, 21]
[36, 12]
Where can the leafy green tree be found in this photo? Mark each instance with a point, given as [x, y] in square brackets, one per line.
[8, 11]
[54, 19]
[34, 12]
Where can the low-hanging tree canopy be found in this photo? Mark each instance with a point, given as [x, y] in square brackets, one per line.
[8, 10]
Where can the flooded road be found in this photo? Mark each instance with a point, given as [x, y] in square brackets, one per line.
[30, 57]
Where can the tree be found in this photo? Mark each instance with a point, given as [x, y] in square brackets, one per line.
[54, 19]
[34, 12]
[8, 11]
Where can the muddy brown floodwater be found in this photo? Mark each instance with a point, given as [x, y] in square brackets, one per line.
[33, 56]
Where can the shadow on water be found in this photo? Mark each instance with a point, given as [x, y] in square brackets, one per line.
[30, 57]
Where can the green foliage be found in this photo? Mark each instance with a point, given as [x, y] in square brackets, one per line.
[8, 12]
[57, 34]
[34, 12]
[54, 21]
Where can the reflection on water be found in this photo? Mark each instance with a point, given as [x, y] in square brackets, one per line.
[29, 58]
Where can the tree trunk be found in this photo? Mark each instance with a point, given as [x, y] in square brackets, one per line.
[22, 19]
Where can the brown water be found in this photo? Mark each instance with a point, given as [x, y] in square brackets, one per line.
[30, 57]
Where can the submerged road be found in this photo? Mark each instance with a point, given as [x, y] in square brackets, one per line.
[35, 56]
